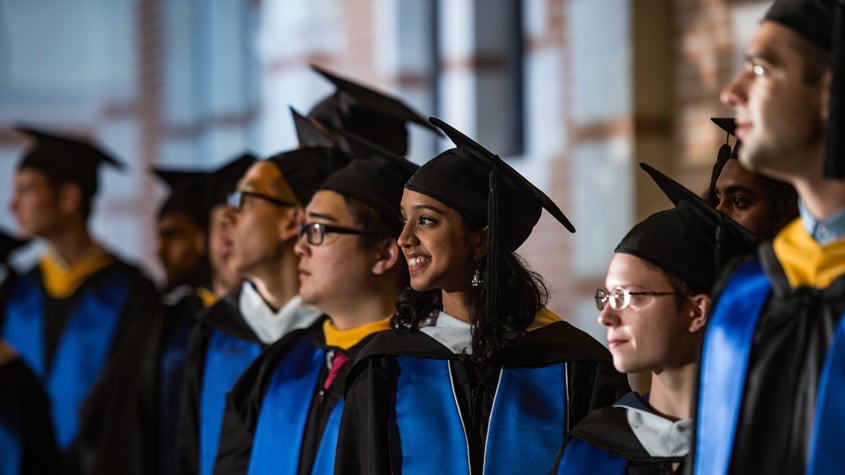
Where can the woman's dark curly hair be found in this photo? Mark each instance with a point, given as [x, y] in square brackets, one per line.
[524, 293]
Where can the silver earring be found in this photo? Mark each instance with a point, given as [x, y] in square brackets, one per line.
[477, 281]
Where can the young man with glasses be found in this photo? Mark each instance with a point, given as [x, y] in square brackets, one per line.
[282, 416]
[266, 210]
[655, 307]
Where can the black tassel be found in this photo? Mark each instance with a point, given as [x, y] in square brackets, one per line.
[834, 164]
[493, 297]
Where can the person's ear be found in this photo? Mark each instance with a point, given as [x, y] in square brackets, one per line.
[200, 242]
[289, 224]
[387, 255]
[826, 81]
[699, 312]
[69, 198]
[478, 242]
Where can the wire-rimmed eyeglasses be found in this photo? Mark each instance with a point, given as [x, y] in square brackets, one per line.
[237, 198]
[620, 298]
[315, 233]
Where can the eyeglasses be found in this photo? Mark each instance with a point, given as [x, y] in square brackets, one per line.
[237, 198]
[316, 232]
[620, 298]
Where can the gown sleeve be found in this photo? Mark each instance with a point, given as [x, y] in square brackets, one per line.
[187, 456]
[368, 425]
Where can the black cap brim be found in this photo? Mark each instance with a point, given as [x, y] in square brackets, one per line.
[677, 192]
[368, 98]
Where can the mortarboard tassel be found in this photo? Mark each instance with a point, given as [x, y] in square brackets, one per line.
[492, 300]
[834, 165]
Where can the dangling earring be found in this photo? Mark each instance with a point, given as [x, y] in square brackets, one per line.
[476, 281]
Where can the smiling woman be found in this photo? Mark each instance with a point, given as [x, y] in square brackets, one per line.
[453, 354]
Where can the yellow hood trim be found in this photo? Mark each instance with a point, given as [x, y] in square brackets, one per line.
[804, 261]
[61, 280]
[544, 317]
[346, 339]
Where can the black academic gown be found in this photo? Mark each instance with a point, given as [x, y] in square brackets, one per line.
[224, 317]
[604, 442]
[137, 306]
[146, 390]
[776, 392]
[374, 439]
[25, 419]
[26, 429]
[247, 398]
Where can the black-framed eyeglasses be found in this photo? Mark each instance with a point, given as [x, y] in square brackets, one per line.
[236, 199]
[316, 232]
[620, 298]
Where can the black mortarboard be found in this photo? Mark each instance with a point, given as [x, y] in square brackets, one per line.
[729, 126]
[65, 158]
[224, 179]
[188, 192]
[309, 133]
[822, 22]
[693, 241]
[375, 177]
[366, 113]
[8, 245]
[305, 169]
[459, 178]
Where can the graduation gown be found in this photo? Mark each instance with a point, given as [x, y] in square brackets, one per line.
[221, 347]
[270, 426]
[625, 439]
[414, 405]
[73, 341]
[767, 353]
[27, 444]
[145, 389]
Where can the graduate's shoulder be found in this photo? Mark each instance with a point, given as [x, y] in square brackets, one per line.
[608, 429]
[259, 374]
[225, 316]
[558, 341]
[401, 343]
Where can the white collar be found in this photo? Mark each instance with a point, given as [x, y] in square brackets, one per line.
[450, 332]
[175, 295]
[269, 327]
[659, 436]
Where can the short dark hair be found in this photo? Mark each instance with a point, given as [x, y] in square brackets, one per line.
[815, 59]
[368, 219]
[682, 289]
[86, 197]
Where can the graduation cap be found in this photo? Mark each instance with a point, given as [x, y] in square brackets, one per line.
[224, 179]
[692, 241]
[309, 133]
[64, 158]
[8, 245]
[305, 169]
[188, 190]
[729, 126]
[367, 113]
[460, 178]
[822, 22]
[374, 177]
